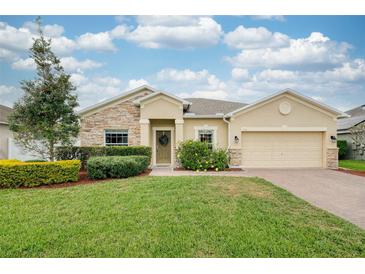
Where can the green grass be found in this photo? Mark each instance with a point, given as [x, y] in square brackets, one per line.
[171, 217]
[353, 164]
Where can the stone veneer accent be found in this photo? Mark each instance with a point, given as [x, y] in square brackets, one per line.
[235, 157]
[332, 158]
[123, 115]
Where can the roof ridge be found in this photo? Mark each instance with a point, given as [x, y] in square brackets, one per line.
[238, 102]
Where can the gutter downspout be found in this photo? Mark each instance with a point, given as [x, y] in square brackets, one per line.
[229, 133]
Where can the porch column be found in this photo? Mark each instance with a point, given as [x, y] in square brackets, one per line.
[179, 131]
[145, 132]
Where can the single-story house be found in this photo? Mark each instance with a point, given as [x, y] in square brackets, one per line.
[344, 126]
[9, 149]
[5, 133]
[283, 130]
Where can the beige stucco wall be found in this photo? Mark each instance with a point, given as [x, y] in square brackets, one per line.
[161, 107]
[222, 129]
[268, 115]
[122, 114]
[159, 123]
[5, 133]
[302, 114]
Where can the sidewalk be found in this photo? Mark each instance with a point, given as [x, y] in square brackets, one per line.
[168, 171]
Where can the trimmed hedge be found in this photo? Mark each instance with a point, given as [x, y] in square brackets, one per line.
[116, 166]
[84, 153]
[342, 148]
[17, 173]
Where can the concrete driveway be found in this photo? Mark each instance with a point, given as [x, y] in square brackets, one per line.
[339, 193]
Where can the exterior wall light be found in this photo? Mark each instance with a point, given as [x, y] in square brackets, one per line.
[333, 138]
[236, 139]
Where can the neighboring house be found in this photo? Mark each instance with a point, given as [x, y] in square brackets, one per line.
[5, 133]
[286, 129]
[344, 126]
[9, 149]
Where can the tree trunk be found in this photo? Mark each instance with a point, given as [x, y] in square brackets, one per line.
[51, 151]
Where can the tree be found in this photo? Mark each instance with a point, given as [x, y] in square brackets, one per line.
[358, 135]
[45, 115]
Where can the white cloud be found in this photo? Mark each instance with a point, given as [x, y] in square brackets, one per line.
[167, 20]
[201, 32]
[240, 74]
[78, 79]
[63, 46]
[4, 90]
[254, 38]
[313, 52]
[72, 64]
[69, 64]
[101, 41]
[349, 71]
[24, 64]
[280, 18]
[107, 80]
[210, 94]
[119, 32]
[7, 55]
[14, 39]
[276, 75]
[135, 83]
[9, 94]
[14, 42]
[181, 75]
[189, 83]
[318, 98]
[48, 30]
[91, 90]
[187, 76]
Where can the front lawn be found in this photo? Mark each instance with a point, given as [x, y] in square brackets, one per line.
[358, 165]
[171, 217]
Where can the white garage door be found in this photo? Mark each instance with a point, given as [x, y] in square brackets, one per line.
[282, 149]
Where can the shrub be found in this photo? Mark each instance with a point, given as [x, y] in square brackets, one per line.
[35, 161]
[84, 153]
[116, 166]
[220, 159]
[342, 148]
[197, 156]
[16, 173]
[9, 161]
[194, 155]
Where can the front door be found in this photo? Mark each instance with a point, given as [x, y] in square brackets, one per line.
[163, 147]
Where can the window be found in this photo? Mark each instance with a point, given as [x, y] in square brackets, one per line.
[116, 137]
[206, 135]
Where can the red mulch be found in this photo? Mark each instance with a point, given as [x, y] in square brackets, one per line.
[211, 170]
[353, 172]
[83, 180]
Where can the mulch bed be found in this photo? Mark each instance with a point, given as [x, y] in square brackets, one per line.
[210, 170]
[83, 180]
[353, 172]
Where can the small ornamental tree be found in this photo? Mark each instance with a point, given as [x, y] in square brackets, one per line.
[358, 137]
[45, 115]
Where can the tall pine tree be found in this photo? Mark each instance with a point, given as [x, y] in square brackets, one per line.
[45, 116]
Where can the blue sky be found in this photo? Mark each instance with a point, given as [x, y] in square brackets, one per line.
[242, 58]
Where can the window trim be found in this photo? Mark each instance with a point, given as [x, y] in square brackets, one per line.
[206, 127]
[116, 131]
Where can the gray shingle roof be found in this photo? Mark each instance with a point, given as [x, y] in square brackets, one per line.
[358, 111]
[203, 106]
[347, 123]
[4, 112]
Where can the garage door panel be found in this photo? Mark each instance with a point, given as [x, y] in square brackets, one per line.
[282, 149]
